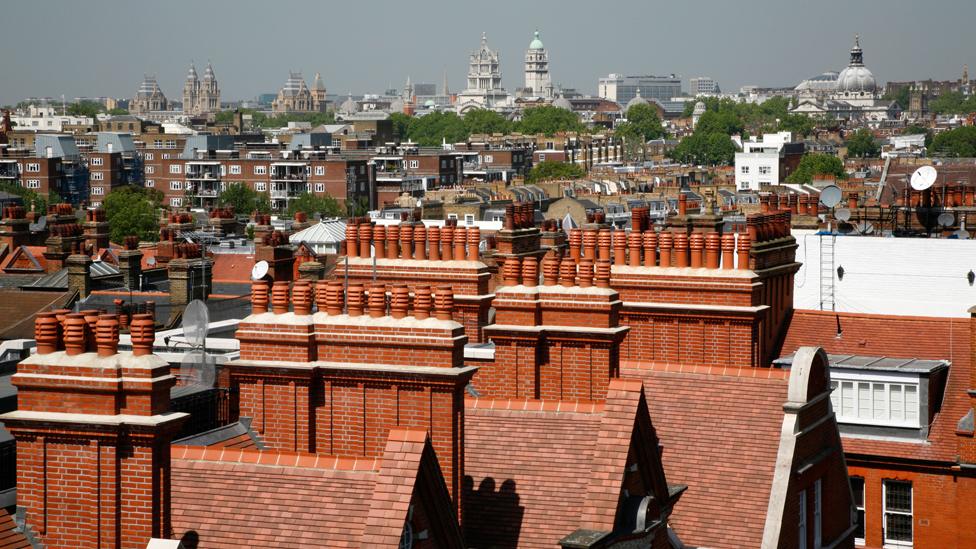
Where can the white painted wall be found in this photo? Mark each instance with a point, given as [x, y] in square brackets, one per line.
[897, 276]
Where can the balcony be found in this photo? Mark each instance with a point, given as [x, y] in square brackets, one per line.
[203, 175]
[288, 176]
[207, 192]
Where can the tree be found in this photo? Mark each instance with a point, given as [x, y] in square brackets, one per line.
[433, 128]
[486, 121]
[118, 111]
[30, 198]
[645, 122]
[549, 120]
[132, 211]
[312, 204]
[85, 108]
[799, 124]
[817, 164]
[725, 122]
[711, 149]
[401, 125]
[952, 103]
[862, 144]
[244, 199]
[960, 142]
[549, 169]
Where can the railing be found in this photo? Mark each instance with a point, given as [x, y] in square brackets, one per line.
[208, 410]
[201, 175]
[207, 192]
[288, 177]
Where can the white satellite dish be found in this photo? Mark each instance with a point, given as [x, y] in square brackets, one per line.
[962, 234]
[923, 178]
[259, 270]
[945, 219]
[830, 196]
[842, 214]
[196, 318]
[865, 227]
[151, 261]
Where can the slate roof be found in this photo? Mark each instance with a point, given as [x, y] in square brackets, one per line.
[721, 436]
[18, 309]
[897, 336]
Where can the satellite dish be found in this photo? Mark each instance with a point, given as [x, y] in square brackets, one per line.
[196, 372]
[830, 196]
[962, 234]
[259, 270]
[151, 261]
[845, 228]
[945, 219]
[865, 227]
[196, 318]
[923, 178]
[843, 214]
[568, 223]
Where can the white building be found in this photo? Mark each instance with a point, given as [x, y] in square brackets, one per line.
[904, 146]
[702, 85]
[538, 82]
[47, 119]
[484, 89]
[759, 162]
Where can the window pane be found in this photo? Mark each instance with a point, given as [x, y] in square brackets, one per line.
[897, 403]
[857, 486]
[911, 403]
[864, 400]
[878, 390]
[835, 397]
[847, 399]
[898, 527]
[859, 527]
[898, 496]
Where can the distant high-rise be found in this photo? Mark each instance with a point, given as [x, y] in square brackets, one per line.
[620, 88]
[702, 85]
[149, 97]
[538, 82]
[201, 97]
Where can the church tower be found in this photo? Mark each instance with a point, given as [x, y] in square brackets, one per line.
[208, 101]
[537, 78]
[191, 91]
[318, 94]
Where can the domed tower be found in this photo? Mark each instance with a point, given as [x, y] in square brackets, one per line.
[537, 78]
[856, 83]
[191, 92]
[318, 94]
[208, 101]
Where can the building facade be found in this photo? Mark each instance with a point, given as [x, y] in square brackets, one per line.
[702, 85]
[484, 89]
[621, 88]
[538, 82]
[149, 97]
[295, 96]
[201, 97]
[766, 162]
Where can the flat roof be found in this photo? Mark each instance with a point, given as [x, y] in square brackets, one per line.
[877, 363]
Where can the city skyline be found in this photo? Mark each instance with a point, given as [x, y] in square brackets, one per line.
[257, 56]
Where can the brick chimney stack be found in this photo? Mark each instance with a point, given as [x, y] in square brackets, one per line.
[336, 380]
[130, 263]
[96, 229]
[79, 274]
[190, 276]
[65, 236]
[93, 434]
[14, 227]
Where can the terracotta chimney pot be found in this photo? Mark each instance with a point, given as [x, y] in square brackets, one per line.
[575, 243]
[567, 271]
[530, 271]
[434, 241]
[474, 239]
[279, 297]
[377, 300]
[379, 241]
[650, 248]
[666, 240]
[47, 332]
[142, 332]
[301, 297]
[447, 238]
[392, 241]
[585, 273]
[355, 299]
[444, 303]
[603, 273]
[74, 334]
[422, 302]
[107, 335]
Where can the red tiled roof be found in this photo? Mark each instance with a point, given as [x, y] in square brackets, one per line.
[313, 501]
[232, 267]
[25, 259]
[9, 537]
[901, 337]
[721, 437]
[537, 471]
[525, 474]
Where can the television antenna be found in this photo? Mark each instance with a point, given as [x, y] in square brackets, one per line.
[197, 367]
[923, 178]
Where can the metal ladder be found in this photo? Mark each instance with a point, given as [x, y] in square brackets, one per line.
[827, 272]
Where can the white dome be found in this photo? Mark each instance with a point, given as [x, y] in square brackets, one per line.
[562, 103]
[699, 109]
[348, 106]
[637, 100]
[856, 78]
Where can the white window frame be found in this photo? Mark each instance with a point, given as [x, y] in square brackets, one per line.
[260, 186]
[97, 161]
[235, 169]
[149, 156]
[744, 170]
[175, 168]
[885, 512]
[32, 167]
[802, 524]
[489, 159]
[413, 164]
[860, 508]
[319, 170]
[32, 184]
[176, 201]
[98, 190]
[150, 169]
[98, 176]
[260, 170]
[176, 185]
[150, 183]
[223, 170]
[452, 216]
[885, 381]
[320, 187]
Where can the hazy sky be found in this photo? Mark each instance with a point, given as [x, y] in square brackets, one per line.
[103, 47]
